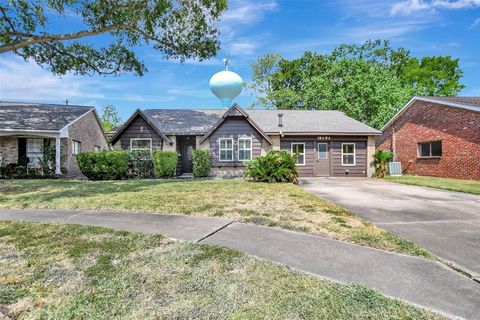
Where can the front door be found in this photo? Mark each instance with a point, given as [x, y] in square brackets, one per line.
[188, 146]
[322, 159]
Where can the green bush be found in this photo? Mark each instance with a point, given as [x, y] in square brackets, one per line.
[165, 163]
[140, 165]
[381, 158]
[275, 166]
[105, 165]
[202, 162]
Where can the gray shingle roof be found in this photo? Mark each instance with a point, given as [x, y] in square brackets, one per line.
[42, 117]
[296, 121]
[184, 121]
[188, 121]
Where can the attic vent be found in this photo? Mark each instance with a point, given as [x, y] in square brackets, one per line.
[280, 119]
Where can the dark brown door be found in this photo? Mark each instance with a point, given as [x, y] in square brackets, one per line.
[322, 159]
[187, 154]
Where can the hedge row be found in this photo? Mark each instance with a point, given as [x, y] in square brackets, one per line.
[117, 165]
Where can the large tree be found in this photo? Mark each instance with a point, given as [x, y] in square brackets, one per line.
[180, 29]
[368, 82]
[110, 118]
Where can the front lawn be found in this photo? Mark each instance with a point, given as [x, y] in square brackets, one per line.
[281, 205]
[468, 186]
[74, 272]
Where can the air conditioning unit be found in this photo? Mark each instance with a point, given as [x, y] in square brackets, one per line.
[395, 168]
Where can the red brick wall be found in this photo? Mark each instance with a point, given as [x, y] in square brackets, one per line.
[458, 129]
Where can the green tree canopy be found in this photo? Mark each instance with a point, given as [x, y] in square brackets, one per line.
[110, 118]
[368, 82]
[180, 29]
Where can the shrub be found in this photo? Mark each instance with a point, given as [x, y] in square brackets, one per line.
[105, 165]
[380, 162]
[202, 162]
[275, 166]
[165, 163]
[140, 165]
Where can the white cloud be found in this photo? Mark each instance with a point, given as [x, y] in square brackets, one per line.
[475, 24]
[247, 12]
[412, 6]
[20, 80]
[26, 81]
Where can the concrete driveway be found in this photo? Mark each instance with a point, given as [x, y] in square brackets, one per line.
[445, 222]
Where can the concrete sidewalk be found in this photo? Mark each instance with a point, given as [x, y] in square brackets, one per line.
[425, 283]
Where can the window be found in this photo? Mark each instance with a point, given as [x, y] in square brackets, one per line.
[244, 149]
[348, 154]
[225, 149]
[322, 151]
[430, 149]
[34, 150]
[97, 149]
[299, 149]
[76, 147]
[141, 147]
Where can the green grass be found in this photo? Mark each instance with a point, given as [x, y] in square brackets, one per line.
[75, 272]
[467, 186]
[277, 205]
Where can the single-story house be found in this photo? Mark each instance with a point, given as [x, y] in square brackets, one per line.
[328, 142]
[25, 128]
[436, 136]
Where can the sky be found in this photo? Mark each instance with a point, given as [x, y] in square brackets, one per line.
[250, 29]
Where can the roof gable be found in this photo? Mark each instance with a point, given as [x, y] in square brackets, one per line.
[467, 103]
[236, 111]
[139, 113]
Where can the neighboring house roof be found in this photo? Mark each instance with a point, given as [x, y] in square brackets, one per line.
[151, 122]
[467, 103]
[22, 116]
[198, 121]
[235, 110]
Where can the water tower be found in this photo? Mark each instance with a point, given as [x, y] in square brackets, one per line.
[226, 85]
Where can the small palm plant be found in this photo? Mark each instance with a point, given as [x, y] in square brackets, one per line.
[275, 166]
[381, 158]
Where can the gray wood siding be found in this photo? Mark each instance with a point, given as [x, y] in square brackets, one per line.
[335, 155]
[307, 170]
[360, 168]
[139, 128]
[234, 128]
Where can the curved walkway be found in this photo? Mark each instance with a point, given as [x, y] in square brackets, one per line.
[422, 282]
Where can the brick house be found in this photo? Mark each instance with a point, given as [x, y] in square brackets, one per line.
[436, 136]
[25, 128]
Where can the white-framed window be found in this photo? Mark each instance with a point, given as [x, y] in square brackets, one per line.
[97, 149]
[34, 150]
[430, 149]
[76, 147]
[244, 149]
[299, 148]
[141, 146]
[348, 154]
[322, 149]
[225, 149]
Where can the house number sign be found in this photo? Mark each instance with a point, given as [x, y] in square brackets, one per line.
[323, 138]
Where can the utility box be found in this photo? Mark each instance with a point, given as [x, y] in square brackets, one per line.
[395, 168]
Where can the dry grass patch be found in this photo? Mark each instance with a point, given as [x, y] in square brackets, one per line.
[279, 205]
[134, 276]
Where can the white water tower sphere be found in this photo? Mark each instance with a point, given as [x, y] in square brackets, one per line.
[226, 85]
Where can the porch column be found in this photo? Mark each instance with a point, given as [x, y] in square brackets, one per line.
[58, 171]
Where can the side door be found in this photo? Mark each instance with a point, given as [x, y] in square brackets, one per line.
[322, 159]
